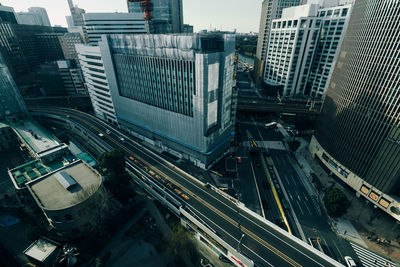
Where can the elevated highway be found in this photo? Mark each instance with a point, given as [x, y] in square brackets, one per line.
[242, 236]
[268, 105]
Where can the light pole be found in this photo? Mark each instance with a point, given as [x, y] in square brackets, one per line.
[240, 241]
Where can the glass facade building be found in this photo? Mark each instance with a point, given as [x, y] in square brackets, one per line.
[357, 136]
[167, 15]
[174, 91]
[11, 102]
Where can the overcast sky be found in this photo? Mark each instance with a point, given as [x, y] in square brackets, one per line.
[242, 15]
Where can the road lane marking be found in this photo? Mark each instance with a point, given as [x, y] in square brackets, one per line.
[225, 217]
[258, 191]
[287, 181]
[300, 208]
[127, 150]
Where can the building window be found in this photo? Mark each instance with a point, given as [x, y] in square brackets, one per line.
[68, 217]
[344, 12]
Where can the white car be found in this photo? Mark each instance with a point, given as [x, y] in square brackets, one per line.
[350, 262]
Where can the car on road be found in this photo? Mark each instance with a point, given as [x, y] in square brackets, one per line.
[101, 135]
[239, 160]
[108, 131]
[122, 139]
[349, 261]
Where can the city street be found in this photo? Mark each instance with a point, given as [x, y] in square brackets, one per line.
[312, 220]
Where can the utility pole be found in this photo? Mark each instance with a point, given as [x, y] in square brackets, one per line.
[240, 241]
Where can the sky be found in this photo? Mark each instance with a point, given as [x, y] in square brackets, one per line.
[243, 15]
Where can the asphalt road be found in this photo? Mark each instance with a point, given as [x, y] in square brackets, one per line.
[262, 243]
[302, 198]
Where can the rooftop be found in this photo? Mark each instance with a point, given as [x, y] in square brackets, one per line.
[37, 138]
[51, 194]
[28, 171]
[41, 249]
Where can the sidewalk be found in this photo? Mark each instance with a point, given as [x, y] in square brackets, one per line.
[369, 223]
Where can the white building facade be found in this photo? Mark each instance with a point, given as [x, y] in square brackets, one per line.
[174, 91]
[97, 24]
[91, 62]
[304, 45]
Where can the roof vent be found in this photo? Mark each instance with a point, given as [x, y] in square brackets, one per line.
[65, 180]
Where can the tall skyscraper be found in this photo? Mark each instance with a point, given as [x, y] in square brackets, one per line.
[11, 102]
[68, 41]
[97, 24]
[304, 45]
[42, 13]
[166, 15]
[22, 50]
[270, 9]
[76, 14]
[173, 91]
[7, 14]
[357, 137]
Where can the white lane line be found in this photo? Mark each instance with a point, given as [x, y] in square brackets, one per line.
[334, 243]
[308, 209]
[287, 181]
[290, 195]
[258, 191]
[294, 181]
[301, 210]
[298, 196]
[369, 258]
[223, 230]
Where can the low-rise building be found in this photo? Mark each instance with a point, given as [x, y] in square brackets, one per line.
[41, 145]
[72, 198]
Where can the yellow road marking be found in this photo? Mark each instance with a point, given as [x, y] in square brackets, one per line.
[225, 217]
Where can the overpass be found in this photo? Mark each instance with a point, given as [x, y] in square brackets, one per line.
[244, 237]
[273, 105]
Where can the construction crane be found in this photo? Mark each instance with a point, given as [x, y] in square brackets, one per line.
[147, 7]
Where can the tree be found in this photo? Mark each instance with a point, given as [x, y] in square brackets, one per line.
[181, 243]
[336, 202]
[113, 161]
[113, 165]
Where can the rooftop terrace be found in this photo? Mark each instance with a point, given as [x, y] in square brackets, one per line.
[54, 195]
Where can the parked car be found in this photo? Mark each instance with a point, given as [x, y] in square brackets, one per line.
[349, 261]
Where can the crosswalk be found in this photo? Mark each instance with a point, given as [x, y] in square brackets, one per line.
[370, 259]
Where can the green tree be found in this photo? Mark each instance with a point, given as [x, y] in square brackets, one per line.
[181, 243]
[113, 165]
[113, 161]
[336, 202]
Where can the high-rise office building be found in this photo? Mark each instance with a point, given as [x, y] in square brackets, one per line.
[303, 48]
[270, 10]
[76, 14]
[28, 18]
[357, 137]
[97, 24]
[96, 82]
[187, 28]
[166, 15]
[72, 77]
[11, 102]
[7, 14]
[174, 91]
[68, 41]
[50, 46]
[42, 14]
[22, 50]
[35, 16]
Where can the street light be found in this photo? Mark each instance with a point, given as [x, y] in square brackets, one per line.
[240, 241]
